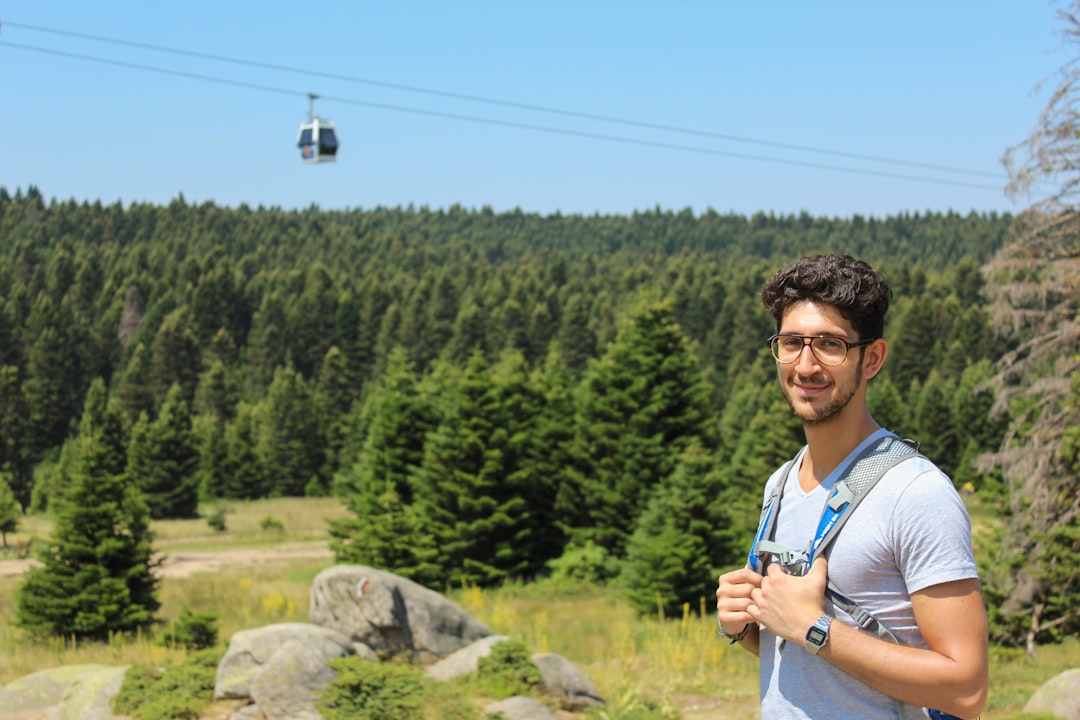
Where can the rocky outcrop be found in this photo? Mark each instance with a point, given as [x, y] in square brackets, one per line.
[566, 683]
[281, 669]
[277, 672]
[73, 691]
[390, 614]
[1060, 697]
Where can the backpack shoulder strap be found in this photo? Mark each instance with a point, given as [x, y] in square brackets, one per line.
[856, 483]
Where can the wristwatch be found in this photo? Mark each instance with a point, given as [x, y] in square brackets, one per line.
[818, 634]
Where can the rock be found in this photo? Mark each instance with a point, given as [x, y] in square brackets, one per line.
[72, 691]
[288, 685]
[250, 650]
[521, 708]
[563, 681]
[391, 614]
[1058, 696]
[465, 660]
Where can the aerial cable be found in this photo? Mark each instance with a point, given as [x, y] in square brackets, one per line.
[507, 103]
[493, 121]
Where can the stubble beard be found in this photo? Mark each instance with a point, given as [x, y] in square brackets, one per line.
[818, 417]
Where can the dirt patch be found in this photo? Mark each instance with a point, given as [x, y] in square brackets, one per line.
[183, 564]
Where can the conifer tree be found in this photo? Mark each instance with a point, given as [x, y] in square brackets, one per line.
[163, 459]
[13, 435]
[671, 555]
[245, 475]
[135, 392]
[577, 341]
[52, 384]
[287, 435]
[472, 514]
[175, 358]
[384, 530]
[9, 510]
[333, 400]
[639, 407]
[97, 569]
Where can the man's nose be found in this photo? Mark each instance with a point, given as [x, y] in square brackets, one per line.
[807, 360]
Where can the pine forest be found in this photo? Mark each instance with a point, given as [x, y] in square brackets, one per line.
[493, 396]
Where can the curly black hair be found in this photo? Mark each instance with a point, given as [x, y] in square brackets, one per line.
[851, 286]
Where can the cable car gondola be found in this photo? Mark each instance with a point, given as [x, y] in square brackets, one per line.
[317, 139]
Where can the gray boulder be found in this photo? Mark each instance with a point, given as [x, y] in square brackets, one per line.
[288, 685]
[465, 660]
[390, 614]
[252, 652]
[521, 708]
[1058, 696]
[564, 682]
[72, 691]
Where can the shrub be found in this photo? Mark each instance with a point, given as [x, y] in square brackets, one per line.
[507, 670]
[366, 690]
[216, 519]
[271, 524]
[589, 562]
[194, 631]
[174, 692]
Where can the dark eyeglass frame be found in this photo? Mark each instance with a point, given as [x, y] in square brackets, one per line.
[809, 340]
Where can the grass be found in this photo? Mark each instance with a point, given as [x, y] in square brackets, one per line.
[678, 663]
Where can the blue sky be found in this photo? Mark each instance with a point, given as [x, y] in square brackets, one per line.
[732, 105]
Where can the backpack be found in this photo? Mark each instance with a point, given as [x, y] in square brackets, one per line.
[868, 467]
[854, 484]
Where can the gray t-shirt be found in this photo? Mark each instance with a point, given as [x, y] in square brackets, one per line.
[911, 532]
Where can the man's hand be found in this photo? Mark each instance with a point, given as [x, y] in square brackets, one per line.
[788, 604]
[733, 598]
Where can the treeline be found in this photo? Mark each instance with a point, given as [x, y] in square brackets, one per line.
[492, 394]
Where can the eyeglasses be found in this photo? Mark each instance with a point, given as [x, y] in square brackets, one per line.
[828, 350]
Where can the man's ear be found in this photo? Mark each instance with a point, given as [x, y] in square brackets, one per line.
[874, 358]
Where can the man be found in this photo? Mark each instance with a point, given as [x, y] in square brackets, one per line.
[904, 555]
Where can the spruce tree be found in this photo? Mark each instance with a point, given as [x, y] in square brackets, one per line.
[287, 435]
[670, 557]
[13, 435]
[383, 530]
[639, 407]
[163, 459]
[96, 574]
[472, 513]
[9, 510]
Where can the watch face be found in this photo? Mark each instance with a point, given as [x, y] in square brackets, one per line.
[816, 636]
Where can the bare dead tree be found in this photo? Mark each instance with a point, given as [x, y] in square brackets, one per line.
[1034, 289]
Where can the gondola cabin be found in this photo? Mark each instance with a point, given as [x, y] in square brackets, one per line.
[317, 140]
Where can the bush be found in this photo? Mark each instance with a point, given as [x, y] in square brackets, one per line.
[588, 562]
[216, 519]
[507, 670]
[366, 690]
[194, 631]
[272, 524]
[173, 692]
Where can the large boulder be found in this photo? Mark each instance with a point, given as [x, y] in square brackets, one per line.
[287, 652]
[563, 681]
[1059, 696]
[391, 615]
[71, 691]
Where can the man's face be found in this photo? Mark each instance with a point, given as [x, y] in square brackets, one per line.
[819, 393]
